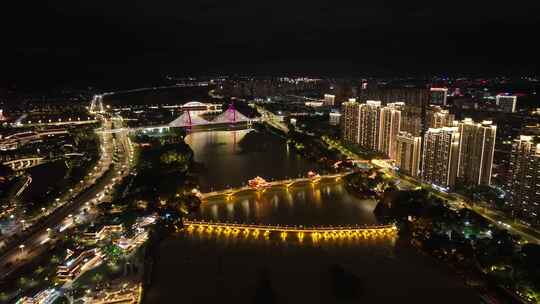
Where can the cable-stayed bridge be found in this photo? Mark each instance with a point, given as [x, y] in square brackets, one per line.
[230, 116]
[190, 119]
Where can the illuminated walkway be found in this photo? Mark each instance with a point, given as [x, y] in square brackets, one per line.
[316, 233]
[228, 193]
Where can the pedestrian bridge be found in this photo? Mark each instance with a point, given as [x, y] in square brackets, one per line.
[229, 193]
[316, 233]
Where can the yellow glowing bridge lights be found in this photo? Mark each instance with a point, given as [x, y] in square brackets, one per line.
[316, 233]
[283, 235]
[229, 193]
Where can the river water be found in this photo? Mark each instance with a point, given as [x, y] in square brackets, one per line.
[44, 178]
[197, 267]
[231, 158]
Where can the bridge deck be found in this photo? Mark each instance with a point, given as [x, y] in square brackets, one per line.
[287, 182]
[232, 227]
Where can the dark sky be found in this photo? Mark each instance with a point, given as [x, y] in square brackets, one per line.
[68, 40]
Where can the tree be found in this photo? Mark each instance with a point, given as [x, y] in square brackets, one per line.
[97, 278]
[55, 259]
[3, 297]
[174, 158]
[22, 282]
[39, 270]
[530, 264]
[186, 204]
[113, 252]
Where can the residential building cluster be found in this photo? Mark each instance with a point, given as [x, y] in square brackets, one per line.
[428, 143]
[440, 153]
[524, 179]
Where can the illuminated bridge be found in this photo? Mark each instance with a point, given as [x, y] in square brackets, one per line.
[229, 193]
[230, 116]
[316, 233]
[190, 118]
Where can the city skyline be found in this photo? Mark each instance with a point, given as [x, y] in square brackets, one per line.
[269, 152]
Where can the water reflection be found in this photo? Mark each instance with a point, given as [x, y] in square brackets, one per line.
[325, 203]
[277, 238]
[231, 158]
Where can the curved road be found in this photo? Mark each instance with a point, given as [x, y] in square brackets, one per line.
[36, 242]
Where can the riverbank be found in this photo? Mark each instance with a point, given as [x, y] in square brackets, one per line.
[233, 269]
[487, 257]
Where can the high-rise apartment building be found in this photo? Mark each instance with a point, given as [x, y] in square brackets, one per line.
[506, 103]
[416, 100]
[350, 121]
[436, 117]
[369, 125]
[414, 97]
[524, 179]
[329, 100]
[334, 118]
[408, 153]
[438, 96]
[476, 149]
[411, 120]
[440, 157]
[389, 126]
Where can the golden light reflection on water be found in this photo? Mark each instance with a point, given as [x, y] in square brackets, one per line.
[231, 234]
[197, 140]
[290, 203]
[245, 207]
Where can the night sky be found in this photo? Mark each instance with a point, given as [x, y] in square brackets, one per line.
[70, 40]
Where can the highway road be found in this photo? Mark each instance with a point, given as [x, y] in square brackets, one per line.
[270, 118]
[98, 183]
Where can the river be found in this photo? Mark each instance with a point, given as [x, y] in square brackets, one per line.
[231, 158]
[44, 178]
[196, 267]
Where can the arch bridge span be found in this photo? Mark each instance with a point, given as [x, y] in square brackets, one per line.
[229, 193]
